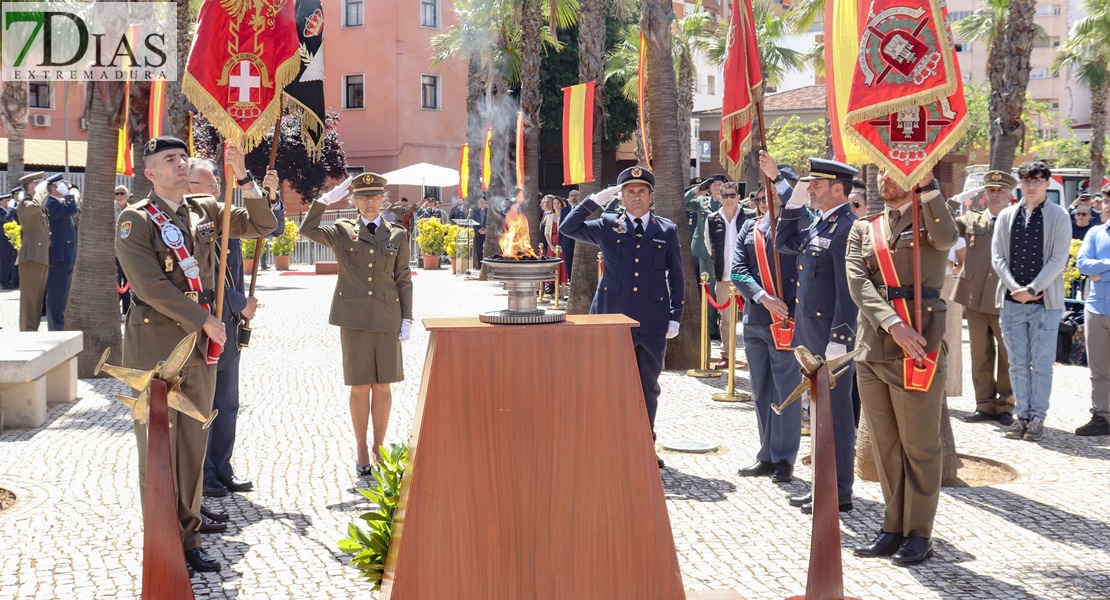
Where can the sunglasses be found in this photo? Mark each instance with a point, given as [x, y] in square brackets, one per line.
[761, 200]
[121, 193]
[728, 195]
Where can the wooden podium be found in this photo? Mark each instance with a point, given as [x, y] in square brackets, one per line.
[532, 470]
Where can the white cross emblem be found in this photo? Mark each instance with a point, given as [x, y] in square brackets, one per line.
[245, 82]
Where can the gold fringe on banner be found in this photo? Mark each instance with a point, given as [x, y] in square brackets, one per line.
[214, 111]
[310, 123]
[909, 182]
[732, 122]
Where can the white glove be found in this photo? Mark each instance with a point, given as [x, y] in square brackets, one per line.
[40, 187]
[62, 188]
[406, 330]
[337, 193]
[672, 330]
[835, 351]
[604, 196]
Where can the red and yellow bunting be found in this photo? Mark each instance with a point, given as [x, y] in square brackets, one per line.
[578, 133]
[487, 162]
[155, 117]
[642, 75]
[464, 171]
[520, 150]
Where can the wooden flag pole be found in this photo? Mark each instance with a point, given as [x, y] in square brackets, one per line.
[258, 241]
[770, 202]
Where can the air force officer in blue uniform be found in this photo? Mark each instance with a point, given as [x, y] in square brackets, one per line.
[825, 321]
[61, 208]
[642, 276]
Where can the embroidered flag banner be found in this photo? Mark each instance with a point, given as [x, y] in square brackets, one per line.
[464, 172]
[243, 56]
[906, 109]
[841, 53]
[743, 81]
[578, 133]
[307, 90]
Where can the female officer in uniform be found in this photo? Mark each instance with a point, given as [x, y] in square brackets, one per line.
[372, 304]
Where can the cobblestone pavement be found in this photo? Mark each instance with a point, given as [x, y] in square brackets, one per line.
[76, 531]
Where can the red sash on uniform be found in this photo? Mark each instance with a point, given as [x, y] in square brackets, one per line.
[782, 330]
[914, 378]
[173, 238]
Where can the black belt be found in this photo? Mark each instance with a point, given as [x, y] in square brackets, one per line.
[907, 292]
[205, 297]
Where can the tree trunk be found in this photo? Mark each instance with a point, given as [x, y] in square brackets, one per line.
[655, 21]
[752, 175]
[530, 101]
[13, 117]
[177, 105]
[475, 82]
[685, 92]
[591, 67]
[1008, 71]
[140, 185]
[94, 275]
[1098, 135]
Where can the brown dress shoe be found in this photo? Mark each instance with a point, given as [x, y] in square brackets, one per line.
[209, 526]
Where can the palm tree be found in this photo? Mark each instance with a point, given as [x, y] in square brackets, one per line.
[691, 35]
[13, 117]
[1087, 54]
[1007, 27]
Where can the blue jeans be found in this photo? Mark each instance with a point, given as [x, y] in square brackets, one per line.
[1030, 332]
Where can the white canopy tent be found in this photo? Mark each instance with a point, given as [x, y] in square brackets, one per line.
[423, 174]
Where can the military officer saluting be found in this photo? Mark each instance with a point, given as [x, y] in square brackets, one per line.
[825, 321]
[372, 304]
[903, 402]
[975, 289]
[642, 271]
[61, 208]
[166, 245]
[33, 259]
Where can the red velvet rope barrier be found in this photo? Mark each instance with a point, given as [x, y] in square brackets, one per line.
[123, 290]
[712, 302]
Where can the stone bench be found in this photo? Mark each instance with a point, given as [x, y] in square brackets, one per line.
[36, 368]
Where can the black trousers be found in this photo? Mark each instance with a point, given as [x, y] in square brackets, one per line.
[121, 283]
[221, 434]
[9, 275]
[650, 349]
[57, 293]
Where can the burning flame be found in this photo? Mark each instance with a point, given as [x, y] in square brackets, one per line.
[514, 241]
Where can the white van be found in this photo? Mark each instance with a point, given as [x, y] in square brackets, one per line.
[1062, 188]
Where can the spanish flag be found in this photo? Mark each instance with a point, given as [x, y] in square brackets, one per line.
[487, 168]
[155, 120]
[842, 25]
[520, 150]
[464, 171]
[578, 133]
[123, 146]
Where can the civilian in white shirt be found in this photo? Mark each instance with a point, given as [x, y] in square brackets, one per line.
[721, 230]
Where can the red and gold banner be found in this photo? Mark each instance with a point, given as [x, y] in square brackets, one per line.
[464, 171]
[641, 85]
[155, 115]
[743, 81]
[578, 133]
[243, 56]
[487, 164]
[906, 108]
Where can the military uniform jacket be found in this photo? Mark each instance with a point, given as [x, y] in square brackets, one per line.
[158, 282]
[374, 291]
[704, 206]
[938, 236]
[642, 278]
[977, 283]
[826, 313]
[748, 280]
[35, 230]
[63, 232]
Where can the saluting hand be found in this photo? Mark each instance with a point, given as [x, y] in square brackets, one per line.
[214, 329]
[337, 193]
[774, 306]
[604, 196]
[912, 342]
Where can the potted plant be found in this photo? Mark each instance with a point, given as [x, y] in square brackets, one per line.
[368, 538]
[283, 245]
[432, 238]
[458, 248]
[248, 253]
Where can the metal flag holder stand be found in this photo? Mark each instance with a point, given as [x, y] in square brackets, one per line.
[732, 394]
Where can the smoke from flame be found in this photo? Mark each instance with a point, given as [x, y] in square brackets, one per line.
[514, 241]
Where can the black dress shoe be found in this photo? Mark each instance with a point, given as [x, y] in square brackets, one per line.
[760, 468]
[914, 550]
[199, 560]
[979, 416]
[209, 526]
[784, 472]
[844, 507]
[218, 517]
[884, 544]
[214, 489]
[798, 501]
[661, 463]
[1006, 419]
[234, 484]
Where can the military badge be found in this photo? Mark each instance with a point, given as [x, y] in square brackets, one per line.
[822, 242]
[168, 264]
[390, 246]
[125, 230]
[637, 172]
[620, 227]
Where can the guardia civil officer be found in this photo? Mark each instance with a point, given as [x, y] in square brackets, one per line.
[904, 424]
[61, 208]
[372, 304]
[167, 247]
[825, 321]
[33, 259]
[642, 276]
